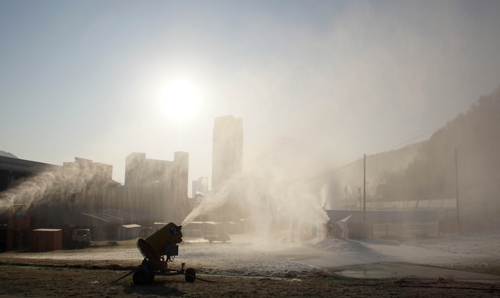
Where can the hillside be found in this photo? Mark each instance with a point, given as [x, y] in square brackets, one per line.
[476, 137]
[7, 154]
[346, 183]
[426, 170]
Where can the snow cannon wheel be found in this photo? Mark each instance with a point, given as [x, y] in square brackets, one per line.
[190, 275]
[142, 276]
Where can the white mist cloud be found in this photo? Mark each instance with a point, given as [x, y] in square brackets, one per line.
[341, 77]
[76, 184]
[274, 207]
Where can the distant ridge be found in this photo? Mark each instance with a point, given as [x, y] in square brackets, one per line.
[7, 154]
[475, 136]
[427, 170]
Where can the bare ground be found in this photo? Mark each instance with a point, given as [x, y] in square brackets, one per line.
[39, 280]
[43, 276]
[66, 282]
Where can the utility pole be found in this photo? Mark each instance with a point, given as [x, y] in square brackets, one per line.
[456, 190]
[345, 192]
[364, 188]
[359, 198]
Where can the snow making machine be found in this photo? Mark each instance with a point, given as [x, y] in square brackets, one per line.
[158, 250]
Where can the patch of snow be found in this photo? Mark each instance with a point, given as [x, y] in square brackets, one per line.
[268, 257]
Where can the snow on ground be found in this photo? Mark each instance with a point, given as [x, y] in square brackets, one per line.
[461, 252]
[239, 259]
[265, 257]
[234, 258]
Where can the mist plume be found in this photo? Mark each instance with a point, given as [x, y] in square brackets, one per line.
[272, 206]
[74, 184]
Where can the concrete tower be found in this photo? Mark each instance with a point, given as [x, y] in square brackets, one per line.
[158, 188]
[227, 159]
[200, 186]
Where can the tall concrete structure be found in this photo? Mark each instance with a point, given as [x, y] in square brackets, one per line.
[200, 186]
[98, 192]
[158, 187]
[227, 159]
[97, 169]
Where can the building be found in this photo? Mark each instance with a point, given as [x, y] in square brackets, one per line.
[55, 196]
[227, 158]
[100, 170]
[15, 213]
[15, 169]
[92, 183]
[82, 191]
[46, 239]
[158, 188]
[82, 194]
[200, 186]
[15, 224]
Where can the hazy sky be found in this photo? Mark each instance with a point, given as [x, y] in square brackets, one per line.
[311, 79]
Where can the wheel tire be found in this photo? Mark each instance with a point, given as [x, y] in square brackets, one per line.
[142, 276]
[152, 277]
[190, 275]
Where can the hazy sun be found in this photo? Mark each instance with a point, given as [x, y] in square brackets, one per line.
[180, 100]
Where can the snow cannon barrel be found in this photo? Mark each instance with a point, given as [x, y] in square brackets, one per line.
[162, 242]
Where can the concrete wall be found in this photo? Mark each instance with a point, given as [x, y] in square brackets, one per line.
[157, 187]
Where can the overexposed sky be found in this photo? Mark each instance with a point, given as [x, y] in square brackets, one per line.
[315, 82]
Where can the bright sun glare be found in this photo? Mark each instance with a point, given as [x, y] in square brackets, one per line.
[180, 100]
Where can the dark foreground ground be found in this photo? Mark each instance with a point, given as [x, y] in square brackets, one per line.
[32, 281]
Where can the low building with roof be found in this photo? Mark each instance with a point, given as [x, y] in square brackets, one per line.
[46, 239]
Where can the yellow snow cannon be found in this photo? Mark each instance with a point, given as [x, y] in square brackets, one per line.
[158, 250]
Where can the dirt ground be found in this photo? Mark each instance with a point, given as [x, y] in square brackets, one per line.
[78, 280]
[45, 276]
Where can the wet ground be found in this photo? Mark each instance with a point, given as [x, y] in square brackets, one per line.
[319, 268]
[411, 271]
[16, 281]
[454, 258]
